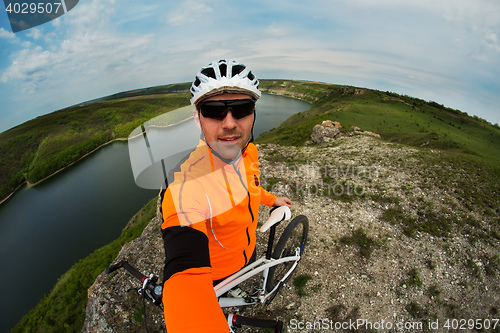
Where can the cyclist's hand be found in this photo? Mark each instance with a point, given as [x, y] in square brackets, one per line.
[282, 201]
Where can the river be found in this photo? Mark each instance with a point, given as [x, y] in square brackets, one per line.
[46, 228]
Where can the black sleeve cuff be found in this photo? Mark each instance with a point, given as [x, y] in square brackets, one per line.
[185, 248]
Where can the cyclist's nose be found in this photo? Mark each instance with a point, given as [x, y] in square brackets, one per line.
[229, 122]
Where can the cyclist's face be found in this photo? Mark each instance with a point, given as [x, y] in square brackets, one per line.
[227, 136]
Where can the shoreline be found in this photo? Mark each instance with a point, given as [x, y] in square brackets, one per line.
[28, 184]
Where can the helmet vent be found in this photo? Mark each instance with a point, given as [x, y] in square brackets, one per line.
[196, 82]
[209, 71]
[237, 70]
[223, 69]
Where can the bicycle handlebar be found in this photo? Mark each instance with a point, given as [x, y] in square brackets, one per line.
[149, 286]
[154, 292]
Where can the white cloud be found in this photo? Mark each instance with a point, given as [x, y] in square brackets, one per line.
[90, 46]
[472, 19]
[34, 33]
[29, 65]
[275, 30]
[492, 41]
[190, 11]
[4, 34]
[92, 15]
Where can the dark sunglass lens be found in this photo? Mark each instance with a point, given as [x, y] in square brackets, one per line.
[218, 109]
[212, 110]
[243, 108]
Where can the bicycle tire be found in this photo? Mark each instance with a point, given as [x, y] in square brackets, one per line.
[291, 238]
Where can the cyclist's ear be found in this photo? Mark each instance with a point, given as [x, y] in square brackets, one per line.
[196, 115]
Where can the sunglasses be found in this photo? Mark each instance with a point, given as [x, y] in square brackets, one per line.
[240, 108]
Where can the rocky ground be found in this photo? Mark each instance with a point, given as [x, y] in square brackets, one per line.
[393, 246]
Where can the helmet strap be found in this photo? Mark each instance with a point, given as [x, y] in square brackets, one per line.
[251, 133]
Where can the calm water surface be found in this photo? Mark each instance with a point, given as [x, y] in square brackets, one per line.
[45, 229]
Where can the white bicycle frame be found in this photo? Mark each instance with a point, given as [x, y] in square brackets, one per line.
[261, 265]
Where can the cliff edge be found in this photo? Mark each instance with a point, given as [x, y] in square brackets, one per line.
[397, 237]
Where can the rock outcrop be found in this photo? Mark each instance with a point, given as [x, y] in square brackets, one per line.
[332, 130]
[348, 90]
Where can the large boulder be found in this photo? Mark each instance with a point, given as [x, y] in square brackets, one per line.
[327, 129]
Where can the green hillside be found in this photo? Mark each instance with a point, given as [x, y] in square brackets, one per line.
[395, 117]
[40, 147]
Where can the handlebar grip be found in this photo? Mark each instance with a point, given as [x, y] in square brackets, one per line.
[114, 267]
[255, 322]
[124, 263]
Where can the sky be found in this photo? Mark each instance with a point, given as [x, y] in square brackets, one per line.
[446, 51]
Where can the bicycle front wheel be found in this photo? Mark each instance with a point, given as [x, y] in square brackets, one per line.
[293, 238]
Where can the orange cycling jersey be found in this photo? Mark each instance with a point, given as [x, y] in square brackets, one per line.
[210, 212]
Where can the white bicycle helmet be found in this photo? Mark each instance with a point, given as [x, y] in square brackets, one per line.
[222, 76]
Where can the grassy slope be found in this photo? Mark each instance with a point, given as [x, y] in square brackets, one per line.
[40, 147]
[396, 118]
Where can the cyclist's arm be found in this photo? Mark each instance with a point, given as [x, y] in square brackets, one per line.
[267, 198]
[190, 303]
[189, 300]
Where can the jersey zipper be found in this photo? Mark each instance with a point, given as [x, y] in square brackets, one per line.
[248, 193]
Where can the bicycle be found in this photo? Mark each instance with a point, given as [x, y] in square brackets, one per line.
[276, 267]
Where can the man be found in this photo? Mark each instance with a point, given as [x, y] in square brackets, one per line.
[210, 208]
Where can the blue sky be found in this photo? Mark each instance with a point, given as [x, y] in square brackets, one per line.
[447, 51]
